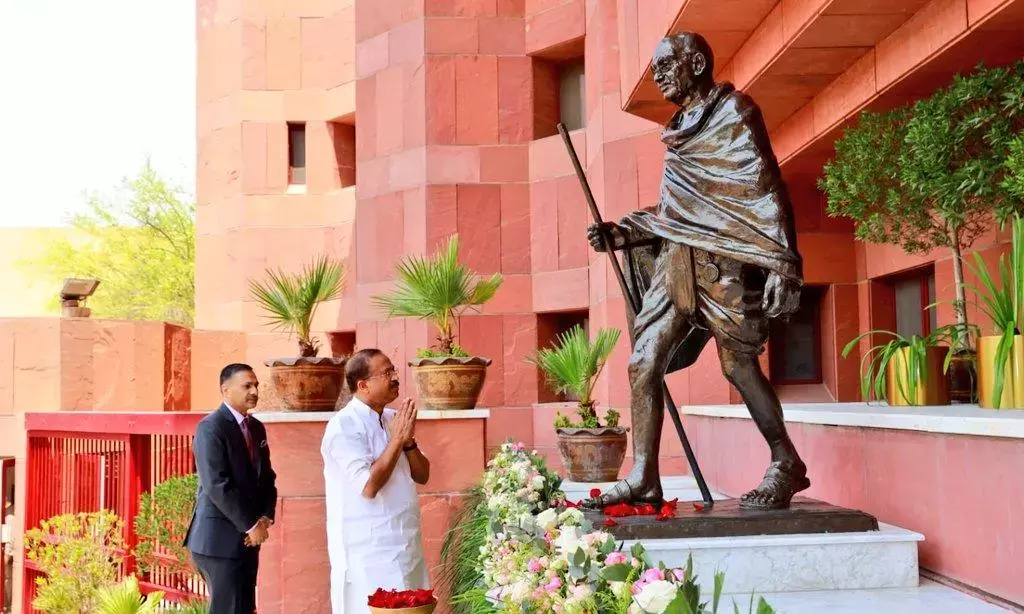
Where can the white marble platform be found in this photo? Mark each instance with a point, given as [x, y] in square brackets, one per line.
[682, 487]
[946, 419]
[271, 417]
[886, 558]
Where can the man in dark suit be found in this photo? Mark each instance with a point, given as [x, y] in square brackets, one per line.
[236, 497]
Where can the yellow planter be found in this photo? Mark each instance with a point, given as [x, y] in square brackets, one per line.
[1013, 382]
[934, 390]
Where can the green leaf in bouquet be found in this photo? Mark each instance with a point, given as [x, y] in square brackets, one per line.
[638, 551]
[616, 573]
[579, 557]
[679, 606]
[608, 546]
[576, 572]
[719, 585]
[763, 607]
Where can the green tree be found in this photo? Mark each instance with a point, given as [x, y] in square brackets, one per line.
[932, 174]
[140, 244]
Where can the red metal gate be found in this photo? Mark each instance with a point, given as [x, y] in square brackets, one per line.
[88, 461]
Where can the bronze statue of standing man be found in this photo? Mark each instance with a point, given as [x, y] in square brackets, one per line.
[715, 258]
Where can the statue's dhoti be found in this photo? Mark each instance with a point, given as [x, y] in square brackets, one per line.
[717, 295]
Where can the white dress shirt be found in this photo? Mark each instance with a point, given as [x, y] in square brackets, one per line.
[373, 543]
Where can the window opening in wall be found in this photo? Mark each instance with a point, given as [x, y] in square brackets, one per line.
[344, 136]
[572, 95]
[559, 89]
[296, 154]
[912, 294]
[550, 326]
[794, 354]
[343, 343]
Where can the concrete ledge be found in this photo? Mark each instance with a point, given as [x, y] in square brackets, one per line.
[271, 417]
[949, 419]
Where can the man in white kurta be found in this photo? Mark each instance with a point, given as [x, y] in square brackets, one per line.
[371, 467]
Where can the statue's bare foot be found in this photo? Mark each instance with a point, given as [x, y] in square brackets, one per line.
[630, 491]
[782, 480]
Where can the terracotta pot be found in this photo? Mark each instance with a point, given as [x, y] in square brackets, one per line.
[423, 609]
[450, 382]
[592, 455]
[308, 384]
[934, 390]
[963, 377]
[1013, 374]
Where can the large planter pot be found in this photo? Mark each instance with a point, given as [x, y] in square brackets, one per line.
[449, 382]
[308, 384]
[592, 455]
[963, 377]
[934, 390]
[1013, 380]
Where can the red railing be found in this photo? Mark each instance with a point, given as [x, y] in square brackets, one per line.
[88, 461]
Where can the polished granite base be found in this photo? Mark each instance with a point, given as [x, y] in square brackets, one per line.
[726, 519]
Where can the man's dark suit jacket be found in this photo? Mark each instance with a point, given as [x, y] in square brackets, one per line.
[232, 494]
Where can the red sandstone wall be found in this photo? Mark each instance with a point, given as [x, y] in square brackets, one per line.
[956, 490]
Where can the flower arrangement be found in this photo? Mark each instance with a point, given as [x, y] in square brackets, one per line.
[422, 600]
[518, 483]
[538, 553]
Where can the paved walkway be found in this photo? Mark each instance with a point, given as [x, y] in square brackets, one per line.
[928, 598]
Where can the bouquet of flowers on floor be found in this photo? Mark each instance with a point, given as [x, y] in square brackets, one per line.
[517, 482]
[535, 555]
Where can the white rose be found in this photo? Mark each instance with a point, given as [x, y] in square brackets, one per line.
[656, 596]
[568, 541]
[537, 482]
[520, 591]
[547, 518]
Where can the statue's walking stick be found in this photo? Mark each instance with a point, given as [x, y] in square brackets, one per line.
[634, 308]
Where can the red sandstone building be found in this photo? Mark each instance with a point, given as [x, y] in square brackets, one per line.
[372, 129]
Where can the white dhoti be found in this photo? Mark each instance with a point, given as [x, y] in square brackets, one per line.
[372, 543]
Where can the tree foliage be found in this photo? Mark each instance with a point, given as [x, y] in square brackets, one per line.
[932, 174]
[140, 244]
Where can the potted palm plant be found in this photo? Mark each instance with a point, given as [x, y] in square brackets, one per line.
[590, 452]
[440, 290]
[1001, 356]
[907, 370]
[307, 382]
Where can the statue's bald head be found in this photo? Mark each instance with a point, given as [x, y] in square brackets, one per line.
[680, 63]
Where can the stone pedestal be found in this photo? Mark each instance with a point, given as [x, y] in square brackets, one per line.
[886, 558]
[294, 567]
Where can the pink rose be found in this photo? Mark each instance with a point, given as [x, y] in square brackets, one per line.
[616, 558]
[653, 574]
[639, 585]
[680, 574]
[554, 584]
[534, 566]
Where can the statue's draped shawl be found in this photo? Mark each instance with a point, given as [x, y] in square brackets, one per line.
[722, 190]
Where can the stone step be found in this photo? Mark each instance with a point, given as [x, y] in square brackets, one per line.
[682, 487]
[886, 558]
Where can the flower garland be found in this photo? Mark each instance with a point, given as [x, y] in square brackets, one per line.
[541, 555]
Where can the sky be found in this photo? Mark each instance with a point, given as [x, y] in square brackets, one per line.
[88, 90]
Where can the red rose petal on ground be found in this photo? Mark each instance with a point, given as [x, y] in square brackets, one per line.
[595, 492]
[569, 504]
[699, 507]
[610, 522]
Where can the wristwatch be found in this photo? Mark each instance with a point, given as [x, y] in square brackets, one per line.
[411, 447]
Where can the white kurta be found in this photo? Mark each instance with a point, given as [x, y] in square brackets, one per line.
[371, 542]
